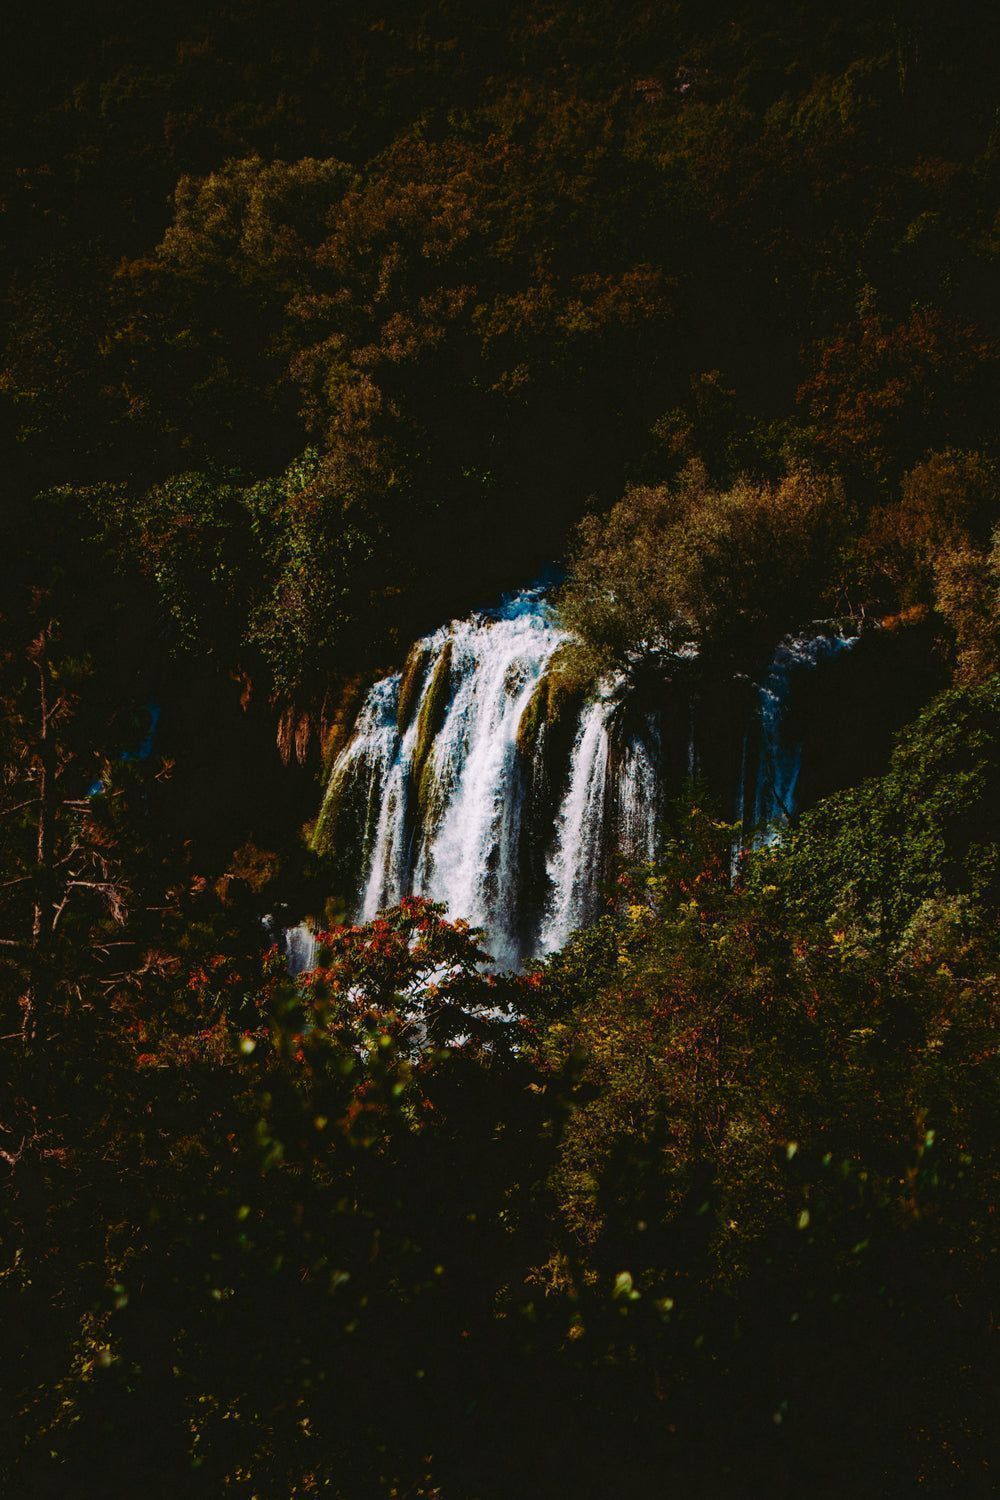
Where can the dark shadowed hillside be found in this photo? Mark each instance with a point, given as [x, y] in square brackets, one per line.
[554, 1052]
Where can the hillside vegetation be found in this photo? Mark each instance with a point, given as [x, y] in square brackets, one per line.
[324, 323]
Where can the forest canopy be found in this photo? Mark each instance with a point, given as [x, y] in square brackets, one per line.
[494, 269]
[324, 323]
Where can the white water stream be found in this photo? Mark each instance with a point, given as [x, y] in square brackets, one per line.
[454, 827]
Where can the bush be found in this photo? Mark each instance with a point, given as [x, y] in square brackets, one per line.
[728, 572]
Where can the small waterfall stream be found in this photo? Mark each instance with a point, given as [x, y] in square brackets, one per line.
[780, 759]
[472, 778]
[574, 865]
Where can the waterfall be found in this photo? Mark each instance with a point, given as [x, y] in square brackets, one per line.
[441, 815]
[476, 778]
[468, 854]
[780, 757]
[574, 866]
[639, 792]
[300, 949]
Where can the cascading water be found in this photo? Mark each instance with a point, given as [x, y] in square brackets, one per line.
[780, 758]
[575, 861]
[473, 788]
[300, 949]
[601, 799]
[439, 783]
[438, 791]
[475, 778]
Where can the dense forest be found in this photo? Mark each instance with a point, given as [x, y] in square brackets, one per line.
[324, 323]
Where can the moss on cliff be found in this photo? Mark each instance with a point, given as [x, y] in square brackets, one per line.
[346, 823]
[433, 708]
[410, 683]
[545, 736]
[555, 700]
[337, 795]
[533, 718]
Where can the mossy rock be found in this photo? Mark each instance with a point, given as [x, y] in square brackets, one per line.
[430, 800]
[410, 684]
[346, 822]
[340, 711]
[533, 719]
[324, 829]
[557, 698]
[433, 708]
[545, 737]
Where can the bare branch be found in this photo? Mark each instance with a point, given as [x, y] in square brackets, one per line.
[8, 812]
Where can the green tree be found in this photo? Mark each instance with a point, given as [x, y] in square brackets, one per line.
[682, 566]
